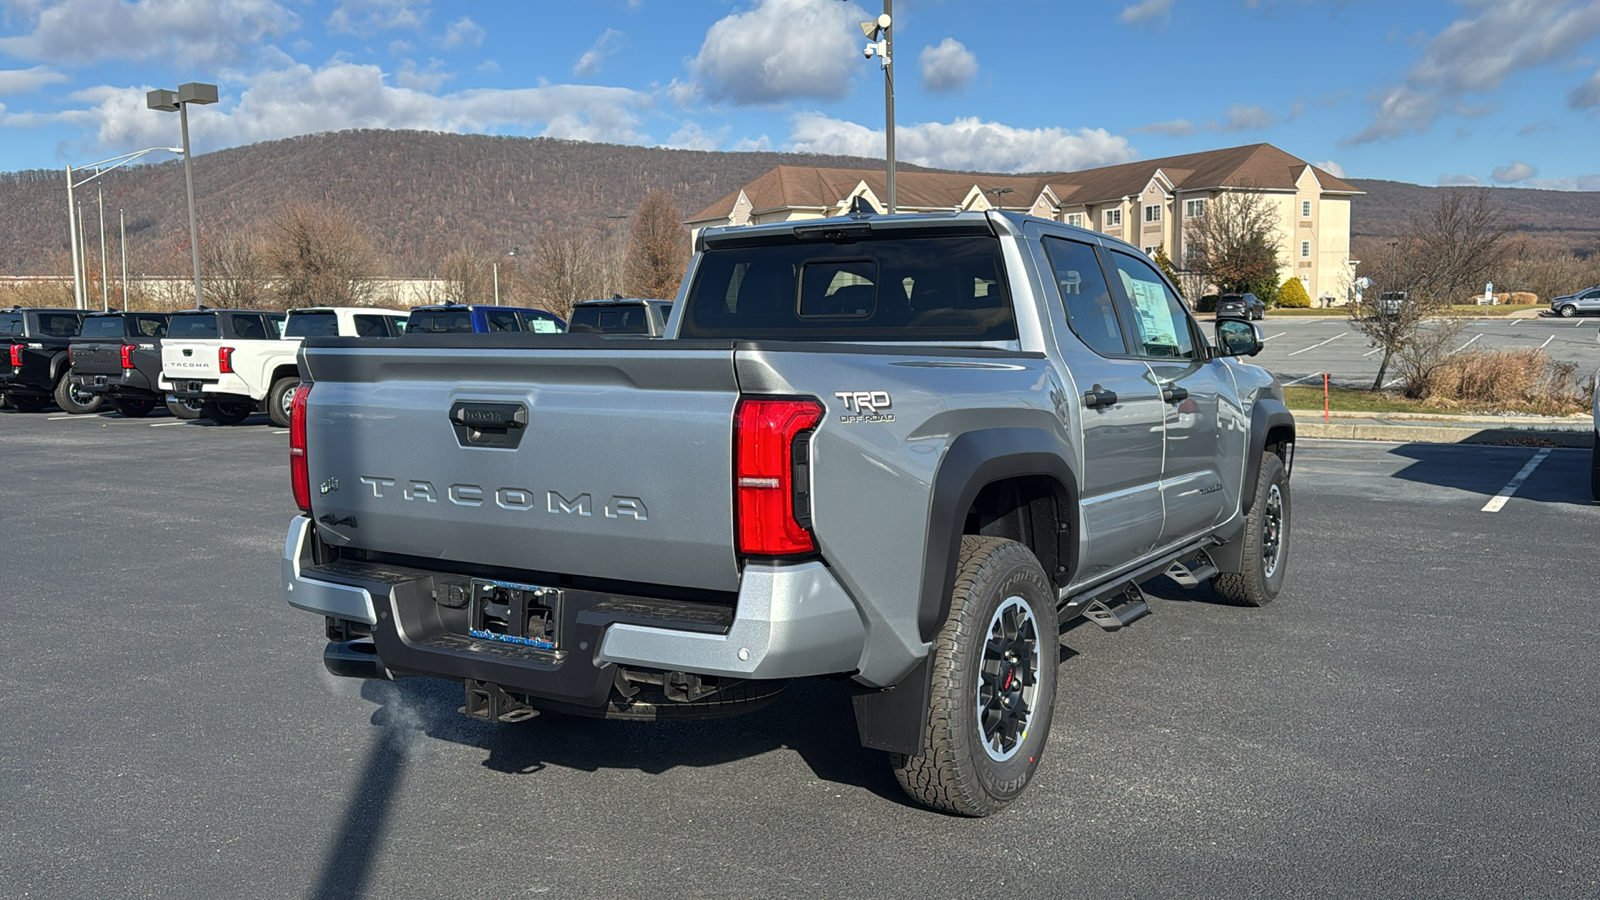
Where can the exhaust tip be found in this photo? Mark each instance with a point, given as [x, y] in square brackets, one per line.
[354, 659]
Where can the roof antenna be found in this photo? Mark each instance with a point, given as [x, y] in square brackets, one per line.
[861, 206]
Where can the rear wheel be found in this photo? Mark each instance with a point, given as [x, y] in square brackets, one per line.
[280, 400]
[992, 684]
[1266, 541]
[228, 412]
[184, 409]
[26, 403]
[74, 399]
[133, 409]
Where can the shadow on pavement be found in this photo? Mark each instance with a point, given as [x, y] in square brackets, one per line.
[1562, 477]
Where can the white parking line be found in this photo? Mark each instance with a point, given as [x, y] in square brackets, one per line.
[1315, 346]
[90, 417]
[1372, 351]
[168, 424]
[1467, 344]
[1547, 342]
[1278, 335]
[1498, 502]
[1307, 378]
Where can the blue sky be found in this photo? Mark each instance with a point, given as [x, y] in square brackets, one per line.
[1502, 92]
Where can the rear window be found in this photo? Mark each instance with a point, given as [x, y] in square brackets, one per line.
[102, 327]
[59, 324]
[198, 325]
[440, 321]
[322, 324]
[609, 320]
[897, 289]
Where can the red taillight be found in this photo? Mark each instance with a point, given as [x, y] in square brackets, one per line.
[299, 473]
[225, 360]
[127, 356]
[16, 354]
[1188, 406]
[764, 475]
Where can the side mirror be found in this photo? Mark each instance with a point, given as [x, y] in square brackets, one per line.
[1236, 337]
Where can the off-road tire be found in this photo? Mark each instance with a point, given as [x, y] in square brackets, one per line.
[1263, 568]
[280, 398]
[71, 402]
[954, 770]
[1594, 467]
[26, 402]
[227, 412]
[1568, 312]
[133, 409]
[184, 409]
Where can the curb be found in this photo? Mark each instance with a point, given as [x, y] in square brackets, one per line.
[1435, 434]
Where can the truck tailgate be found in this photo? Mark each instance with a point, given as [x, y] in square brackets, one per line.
[190, 359]
[623, 469]
[97, 358]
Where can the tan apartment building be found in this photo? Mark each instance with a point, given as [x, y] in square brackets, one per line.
[1145, 203]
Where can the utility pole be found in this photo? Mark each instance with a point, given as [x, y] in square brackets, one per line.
[122, 241]
[77, 263]
[880, 32]
[105, 283]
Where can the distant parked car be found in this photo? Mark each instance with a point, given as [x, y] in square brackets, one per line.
[1577, 304]
[456, 318]
[640, 318]
[1240, 306]
[1390, 303]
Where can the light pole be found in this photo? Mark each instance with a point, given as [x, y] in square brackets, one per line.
[880, 32]
[79, 259]
[178, 101]
[510, 253]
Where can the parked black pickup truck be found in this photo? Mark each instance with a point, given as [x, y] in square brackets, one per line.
[35, 371]
[117, 356]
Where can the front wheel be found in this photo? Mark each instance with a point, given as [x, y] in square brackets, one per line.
[1266, 541]
[1568, 312]
[228, 412]
[280, 400]
[74, 399]
[185, 409]
[25, 402]
[992, 684]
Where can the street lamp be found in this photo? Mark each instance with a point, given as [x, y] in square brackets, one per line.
[880, 34]
[178, 101]
[79, 262]
[510, 253]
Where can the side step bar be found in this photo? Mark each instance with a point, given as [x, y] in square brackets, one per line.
[1118, 609]
[1190, 573]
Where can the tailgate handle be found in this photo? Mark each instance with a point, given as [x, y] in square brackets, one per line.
[488, 424]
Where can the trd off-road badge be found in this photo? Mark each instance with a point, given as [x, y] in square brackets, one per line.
[865, 406]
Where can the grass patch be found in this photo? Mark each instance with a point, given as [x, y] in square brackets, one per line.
[1344, 399]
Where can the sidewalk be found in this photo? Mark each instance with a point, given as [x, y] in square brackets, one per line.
[1572, 431]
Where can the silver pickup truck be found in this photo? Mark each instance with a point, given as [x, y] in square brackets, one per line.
[895, 450]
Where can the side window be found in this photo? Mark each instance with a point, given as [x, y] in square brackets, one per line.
[248, 328]
[151, 326]
[370, 326]
[1158, 316]
[275, 326]
[1089, 307]
[503, 320]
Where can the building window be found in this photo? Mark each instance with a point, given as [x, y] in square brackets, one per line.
[1075, 220]
[1305, 209]
[1113, 218]
[1152, 212]
[1194, 209]
[1150, 252]
[1305, 249]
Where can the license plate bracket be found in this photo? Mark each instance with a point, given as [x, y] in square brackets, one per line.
[528, 615]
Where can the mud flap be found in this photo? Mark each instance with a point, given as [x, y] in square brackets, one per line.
[893, 719]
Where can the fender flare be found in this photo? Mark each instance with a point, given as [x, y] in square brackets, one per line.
[1265, 415]
[59, 366]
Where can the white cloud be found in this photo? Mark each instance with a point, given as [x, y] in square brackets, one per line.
[1173, 128]
[690, 136]
[462, 32]
[609, 42]
[751, 145]
[1513, 173]
[1147, 12]
[780, 50]
[1331, 167]
[401, 47]
[26, 81]
[202, 35]
[1570, 183]
[302, 100]
[488, 67]
[1460, 181]
[948, 66]
[1475, 54]
[966, 144]
[1586, 95]
[683, 93]
[1246, 118]
[363, 17]
[430, 79]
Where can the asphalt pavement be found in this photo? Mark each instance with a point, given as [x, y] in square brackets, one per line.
[1415, 717]
[1300, 350]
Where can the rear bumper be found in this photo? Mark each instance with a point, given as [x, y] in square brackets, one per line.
[227, 387]
[789, 621]
[122, 383]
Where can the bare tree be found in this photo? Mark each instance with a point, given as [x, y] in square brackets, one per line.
[469, 277]
[658, 251]
[1234, 245]
[321, 256]
[1440, 257]
[567, 270]
[234, 272]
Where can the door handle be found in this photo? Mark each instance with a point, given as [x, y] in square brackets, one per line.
[1098, 396]
[1174, 394]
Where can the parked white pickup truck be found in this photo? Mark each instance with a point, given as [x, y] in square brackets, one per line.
[231, 378]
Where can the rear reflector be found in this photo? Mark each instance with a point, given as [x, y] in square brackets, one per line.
[225, 360]
[299, 471]
[764, 476]
[127, 356]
